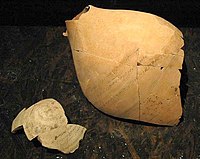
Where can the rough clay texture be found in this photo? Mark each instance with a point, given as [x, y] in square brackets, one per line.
[46, 120]
[65, 138]
[128, 63]
[41, 117]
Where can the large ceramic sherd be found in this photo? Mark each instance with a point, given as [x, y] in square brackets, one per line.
[128, 63]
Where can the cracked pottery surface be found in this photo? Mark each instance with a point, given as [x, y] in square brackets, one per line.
[46, 121]
[36, 63]
[128, 63]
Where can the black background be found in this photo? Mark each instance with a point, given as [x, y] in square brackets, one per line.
[182, 13]
[36, 63]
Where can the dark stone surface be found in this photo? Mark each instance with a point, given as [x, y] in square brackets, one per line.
[36, 63]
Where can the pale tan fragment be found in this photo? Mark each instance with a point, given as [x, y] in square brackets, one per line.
[111, 74]
[162, 60]
[43, 116]
[64, 138]
[65, 34]
[110, 50]
[159, 95]
[46, 119]
[18, 121]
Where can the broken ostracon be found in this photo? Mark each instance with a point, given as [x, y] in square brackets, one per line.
[46, 120]
[128, 63]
